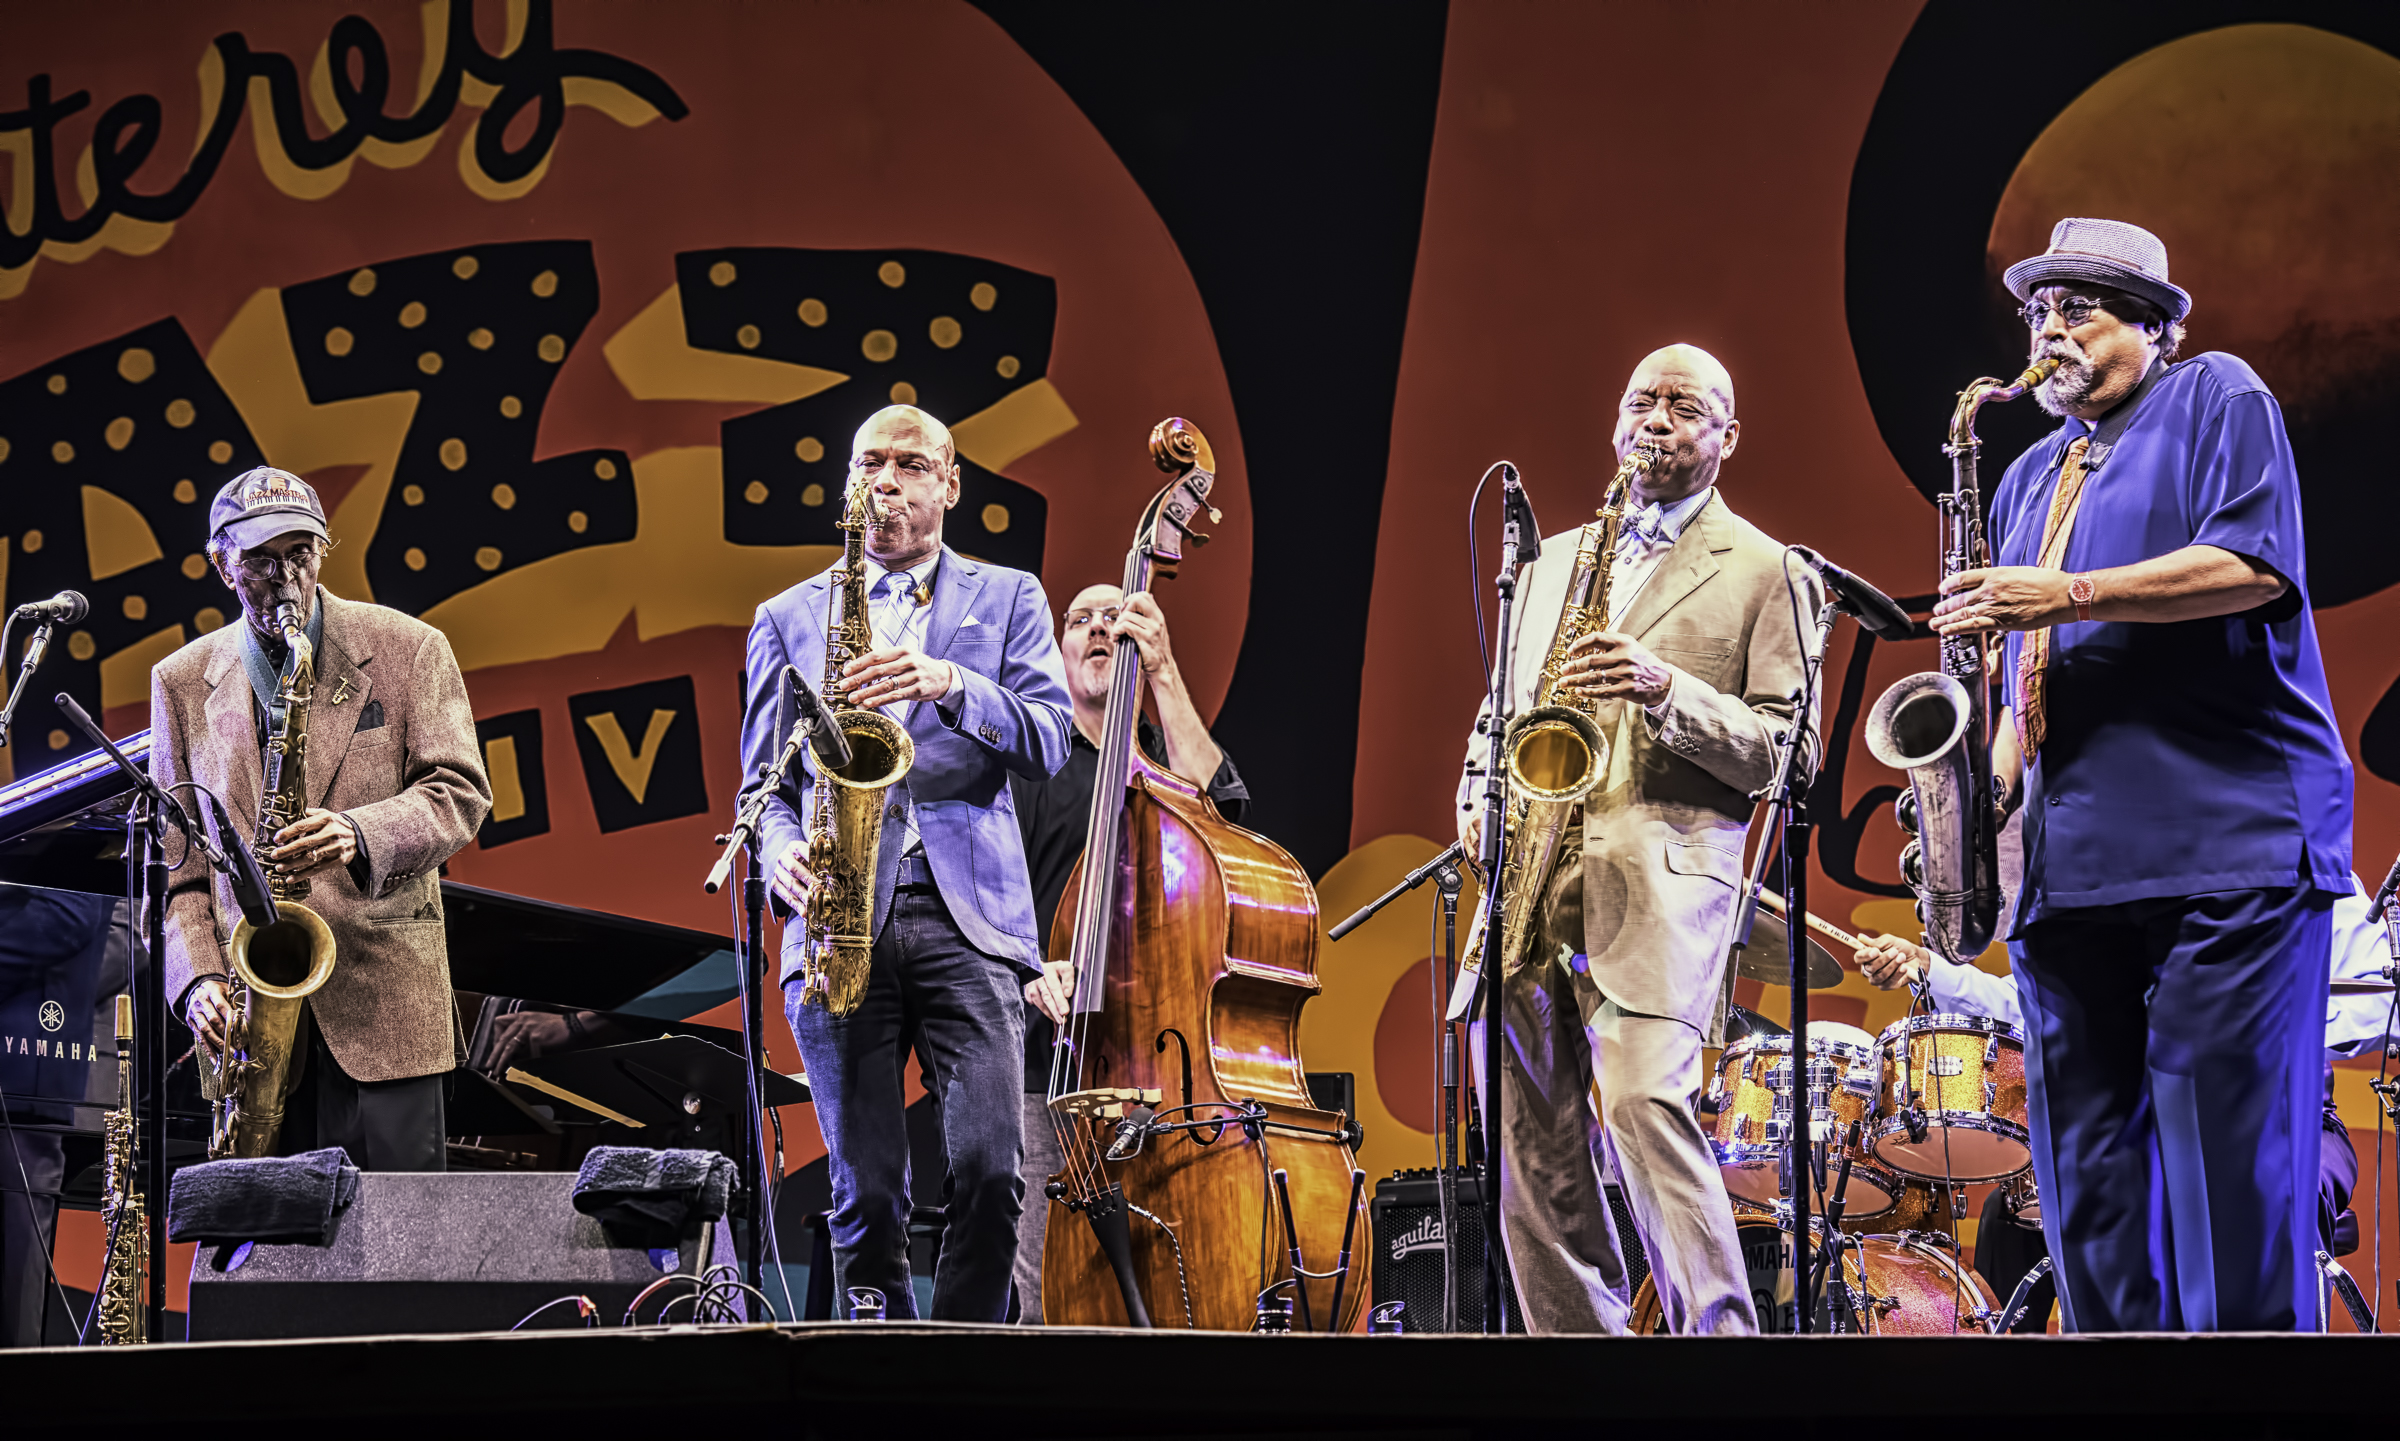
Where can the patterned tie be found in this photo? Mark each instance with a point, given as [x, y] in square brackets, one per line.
[2033, 659]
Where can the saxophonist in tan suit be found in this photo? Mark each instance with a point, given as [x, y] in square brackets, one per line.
[1695, 671]
[396, 786]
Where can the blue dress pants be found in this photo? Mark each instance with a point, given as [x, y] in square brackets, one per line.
[2174, 1070]
[964, 1011]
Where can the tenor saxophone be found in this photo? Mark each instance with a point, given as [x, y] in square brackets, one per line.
[845, 819]
[1555, 753]
[125, 1273]
[1936, 725]
[277, 967]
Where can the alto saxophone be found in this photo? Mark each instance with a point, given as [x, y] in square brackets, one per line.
[1555, 753]
[125, 1274]
[845, 819]
[278, 967]
[1937, 725]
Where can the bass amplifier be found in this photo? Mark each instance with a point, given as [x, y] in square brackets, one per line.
[1408, 1249]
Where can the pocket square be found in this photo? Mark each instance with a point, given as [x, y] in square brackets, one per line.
[370, 716]
[970, 620]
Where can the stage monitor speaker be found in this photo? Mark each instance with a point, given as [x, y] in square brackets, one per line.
[420, 1252]
[1408, 1249]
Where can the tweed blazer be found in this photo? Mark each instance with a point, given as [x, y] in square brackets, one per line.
[391, 744]
[1663, 831]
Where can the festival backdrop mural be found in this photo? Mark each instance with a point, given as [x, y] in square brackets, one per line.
[569, 312]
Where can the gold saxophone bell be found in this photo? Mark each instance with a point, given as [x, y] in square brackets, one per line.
[279, 966]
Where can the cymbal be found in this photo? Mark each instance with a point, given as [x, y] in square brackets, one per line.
[2361, 986]
[1768, 956]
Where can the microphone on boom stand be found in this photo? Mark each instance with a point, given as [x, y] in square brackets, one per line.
[1516, 508]
[1879, 613]
[824, 737]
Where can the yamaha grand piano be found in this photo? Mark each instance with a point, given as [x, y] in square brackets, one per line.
[64, 829]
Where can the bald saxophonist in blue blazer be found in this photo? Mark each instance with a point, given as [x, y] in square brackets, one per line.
[965, 659]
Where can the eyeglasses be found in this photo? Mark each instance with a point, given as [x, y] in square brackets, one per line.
[1078, 619]
[267, 567]
[2074, 310]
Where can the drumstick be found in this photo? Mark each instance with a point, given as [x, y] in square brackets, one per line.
[1823, 928]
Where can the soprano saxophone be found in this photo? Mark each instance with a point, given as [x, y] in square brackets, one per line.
[1937, 725]
[1555, 753]
[845, 819]
[279, 966]
[125, 1274]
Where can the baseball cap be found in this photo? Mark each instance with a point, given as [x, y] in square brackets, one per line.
[259, 505]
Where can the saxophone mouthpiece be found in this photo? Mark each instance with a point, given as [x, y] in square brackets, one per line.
[2039, 372]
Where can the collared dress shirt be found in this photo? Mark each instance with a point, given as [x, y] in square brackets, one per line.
[2197, 755]
[898, 619]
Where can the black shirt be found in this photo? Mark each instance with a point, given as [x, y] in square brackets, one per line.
[1054, 816]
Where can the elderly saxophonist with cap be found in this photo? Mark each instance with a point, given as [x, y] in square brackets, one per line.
[395, 786]
[2186, 800]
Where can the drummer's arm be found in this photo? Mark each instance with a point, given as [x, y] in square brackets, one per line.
[1972, 991]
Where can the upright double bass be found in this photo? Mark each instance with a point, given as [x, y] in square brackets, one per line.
[1198, 1174]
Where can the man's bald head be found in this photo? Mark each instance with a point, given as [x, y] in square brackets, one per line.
[904, 425]
[1685, 368]
[1679, 400]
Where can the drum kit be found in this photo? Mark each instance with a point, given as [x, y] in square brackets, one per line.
[1900, 1123]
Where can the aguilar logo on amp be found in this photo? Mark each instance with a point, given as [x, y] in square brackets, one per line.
[1426, 1235]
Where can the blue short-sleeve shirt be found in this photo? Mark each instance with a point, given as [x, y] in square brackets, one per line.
[2195, 756]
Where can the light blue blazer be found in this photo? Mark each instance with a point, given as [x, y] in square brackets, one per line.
[993, 623]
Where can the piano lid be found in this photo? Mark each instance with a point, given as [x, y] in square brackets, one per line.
[65, 827]
[508, 945]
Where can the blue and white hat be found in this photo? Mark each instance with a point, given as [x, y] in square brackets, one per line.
[2102, 252]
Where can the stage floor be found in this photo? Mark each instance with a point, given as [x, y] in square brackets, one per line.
[987, 1383]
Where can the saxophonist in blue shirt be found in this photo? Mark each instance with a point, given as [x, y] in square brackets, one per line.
[2186, 800]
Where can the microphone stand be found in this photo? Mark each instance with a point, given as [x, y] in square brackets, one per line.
[1517, 549]
[36, 650]
[1447, 874]
[750, 966]
[1787, 798]
[153, 810]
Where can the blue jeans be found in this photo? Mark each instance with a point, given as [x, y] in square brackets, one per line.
[931, 992]
[2174, 1068]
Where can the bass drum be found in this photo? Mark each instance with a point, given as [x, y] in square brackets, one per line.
[1913, 1287]
[1899, 1286]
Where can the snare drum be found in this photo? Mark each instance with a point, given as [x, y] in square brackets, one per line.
[1951, 1103]
[1752, 1100]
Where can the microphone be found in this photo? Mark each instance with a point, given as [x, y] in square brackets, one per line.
[66, 607]
[2383, 895]
[243, 868]
[1516, 508]
[824, 737]
[1879, 613]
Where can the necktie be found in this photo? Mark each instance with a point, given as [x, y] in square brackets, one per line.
[2033, 660]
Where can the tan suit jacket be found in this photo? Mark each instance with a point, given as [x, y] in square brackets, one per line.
[1663, 832]
[414, 786]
